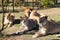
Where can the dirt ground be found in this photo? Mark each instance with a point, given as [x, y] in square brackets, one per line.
[51, 11]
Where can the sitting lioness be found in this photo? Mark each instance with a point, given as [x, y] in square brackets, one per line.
[36, 16]
[27, 12]
[47, 27]
[9, 19]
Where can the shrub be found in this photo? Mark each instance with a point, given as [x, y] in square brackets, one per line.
[46, 3]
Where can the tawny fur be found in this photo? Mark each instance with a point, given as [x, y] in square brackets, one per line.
[49, 27]
[36, 16]
[27, 11]
[8, 19]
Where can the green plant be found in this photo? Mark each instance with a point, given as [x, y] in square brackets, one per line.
[46, 3]
[51, 3]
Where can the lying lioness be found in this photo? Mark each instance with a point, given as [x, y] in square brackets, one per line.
[8, 19]
[47, 27]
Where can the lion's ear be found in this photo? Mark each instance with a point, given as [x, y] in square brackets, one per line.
[21, 17]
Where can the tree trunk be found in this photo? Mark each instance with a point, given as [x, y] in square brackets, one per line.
[13, 5]
[55, 1]
[3, 16]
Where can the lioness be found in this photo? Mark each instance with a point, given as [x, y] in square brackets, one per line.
[27, 11]
[47, 27]
[9, 19]
[36, 16]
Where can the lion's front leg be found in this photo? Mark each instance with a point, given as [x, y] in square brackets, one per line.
[41, 32]
[6, 23]
[10, 24]
[36, 35]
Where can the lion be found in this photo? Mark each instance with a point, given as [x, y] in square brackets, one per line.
[9, 19]
[47, 26]
[27, 12]
[36, 16]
